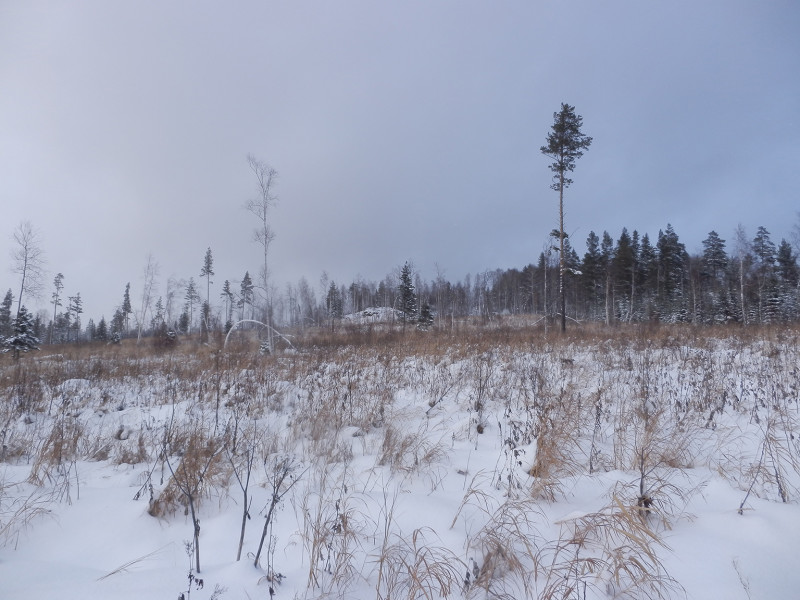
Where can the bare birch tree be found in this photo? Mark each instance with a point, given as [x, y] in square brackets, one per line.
[151, 270]
[263, 234]
[27, 258]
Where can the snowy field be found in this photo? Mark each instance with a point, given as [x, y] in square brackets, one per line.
[643, 465]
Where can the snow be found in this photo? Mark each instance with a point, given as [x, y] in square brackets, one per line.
[379, 314]
[387, 461]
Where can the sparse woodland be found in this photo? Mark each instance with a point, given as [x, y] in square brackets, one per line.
[628, 280]
[481, 460]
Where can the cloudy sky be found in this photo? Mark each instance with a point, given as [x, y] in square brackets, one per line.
[400, 130]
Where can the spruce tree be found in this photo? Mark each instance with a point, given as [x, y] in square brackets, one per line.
[22, 338]
[5, 315]
[126, 309]
[788, 275]
[102, 330]
[191, 298]
[592, 269]
[714, 265]
[623, 267]
[786, 263]
[91, 330]
[672, 262]
[333, 304]
[425, 317]
[764, 254]
[606, 257]
[408, 295]
[246, 292]
[715, 261]
[118, 323]
[58, 284]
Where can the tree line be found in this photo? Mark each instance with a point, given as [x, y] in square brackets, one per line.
[628, 279]
[624, 279]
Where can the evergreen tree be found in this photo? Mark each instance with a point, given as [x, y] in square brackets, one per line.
[789, 277]
[565, 144]
[743, 268]
[407, 295]
[58, 284]
[227, 294]
[158, 315]
[763, 248]
[126, 309]
[102, 330]
[118, 322]
[246, 291]
[672, 263]
[61, 327]
[713, 268]
[23, 335]
[623, 270]
[38, 327]
[75, 309]
[786, 262]
[191, 298]
[425, 317]
[592, 269]
[207, 271]
[91, 330]
[606, 258]
[764, 269]
[715, 261]
[5, 315]
[334, 304]
[183, 320]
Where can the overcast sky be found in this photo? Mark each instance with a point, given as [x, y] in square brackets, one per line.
[400, 130]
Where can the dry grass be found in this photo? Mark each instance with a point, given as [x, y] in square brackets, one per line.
[611, 551]
[504, 551]
[333, 534]
[19, 509]
[652, 401]
[416, 567]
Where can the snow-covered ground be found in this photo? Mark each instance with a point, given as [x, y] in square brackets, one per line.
[600, 468]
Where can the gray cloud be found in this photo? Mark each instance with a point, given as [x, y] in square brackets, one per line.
[400, 131]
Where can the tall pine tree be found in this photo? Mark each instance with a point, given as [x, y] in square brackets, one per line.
[565, 144]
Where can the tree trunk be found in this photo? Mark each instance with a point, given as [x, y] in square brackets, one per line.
[196, 525]
[562, 261]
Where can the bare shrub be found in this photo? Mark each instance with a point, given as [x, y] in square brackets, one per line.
[282, 477]
[200, 471]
